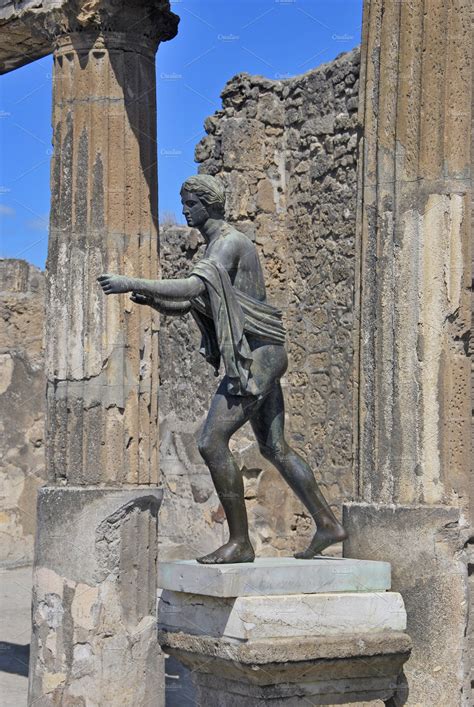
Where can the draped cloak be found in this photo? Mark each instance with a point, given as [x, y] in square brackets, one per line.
[225, 315]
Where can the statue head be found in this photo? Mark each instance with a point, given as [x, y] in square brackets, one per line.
[203, 197]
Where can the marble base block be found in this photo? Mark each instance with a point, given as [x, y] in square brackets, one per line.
[275, 575]
[246, 618]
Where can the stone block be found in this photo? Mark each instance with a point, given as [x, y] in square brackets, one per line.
[426, 548]
[275, 576]
[22, 407]
[258, 617]
[94, 598]
[297, 670]
[243, 142]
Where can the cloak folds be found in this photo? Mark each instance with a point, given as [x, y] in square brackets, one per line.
[224, 317]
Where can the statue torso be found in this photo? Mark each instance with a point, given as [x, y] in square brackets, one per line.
[239, 256]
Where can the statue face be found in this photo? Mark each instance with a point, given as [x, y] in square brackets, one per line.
[195, 212]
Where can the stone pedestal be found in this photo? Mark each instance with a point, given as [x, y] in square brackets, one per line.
[426, 546]
[294, 632]
[94, 597]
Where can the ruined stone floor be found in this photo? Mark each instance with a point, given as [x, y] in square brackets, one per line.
[15, 600]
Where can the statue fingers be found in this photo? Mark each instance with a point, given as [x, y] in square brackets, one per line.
[139, 299]
[105, 281]
[114, 284]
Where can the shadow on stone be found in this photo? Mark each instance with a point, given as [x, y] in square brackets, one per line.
[14, 658]
[180, 690]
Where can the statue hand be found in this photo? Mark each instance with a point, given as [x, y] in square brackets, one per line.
[141, 299]
[114, 284]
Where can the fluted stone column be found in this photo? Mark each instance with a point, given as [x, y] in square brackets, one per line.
[94, 633]
[414, 238]
[413, 413]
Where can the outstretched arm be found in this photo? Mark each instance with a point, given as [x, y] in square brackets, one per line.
[168, 307]
[180, 289]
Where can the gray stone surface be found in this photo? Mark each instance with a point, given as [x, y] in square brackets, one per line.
[223, 692]
[317, 670]
[426, 548]
[94, 598]
[270, 651]
[275, 575]
[15, 632]
[282, 616]
[22, 407]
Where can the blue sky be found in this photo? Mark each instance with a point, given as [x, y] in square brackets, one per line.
[216, 40]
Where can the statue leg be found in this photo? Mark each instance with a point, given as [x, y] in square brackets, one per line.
[227, 414]
[268, 425]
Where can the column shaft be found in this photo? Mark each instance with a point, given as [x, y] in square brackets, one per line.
[413, 418]
[102, 352]
[414, 248]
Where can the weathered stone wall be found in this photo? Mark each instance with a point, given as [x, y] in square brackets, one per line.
[22, 406]
[286, 151]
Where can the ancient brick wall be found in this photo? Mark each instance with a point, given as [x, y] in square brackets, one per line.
[287, 153]
[22, 407]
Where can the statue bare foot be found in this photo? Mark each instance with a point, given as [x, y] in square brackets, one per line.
[323, 538]
[230, 552]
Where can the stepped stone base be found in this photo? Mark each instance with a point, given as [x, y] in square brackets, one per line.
[325, 647]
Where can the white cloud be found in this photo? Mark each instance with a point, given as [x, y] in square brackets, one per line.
[6, 210]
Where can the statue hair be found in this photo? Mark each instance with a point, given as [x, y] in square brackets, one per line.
[209, 189]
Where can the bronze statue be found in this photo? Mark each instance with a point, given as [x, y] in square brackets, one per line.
[225, 293]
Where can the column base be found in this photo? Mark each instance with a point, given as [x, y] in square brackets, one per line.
[94, 591]
[425, 546]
